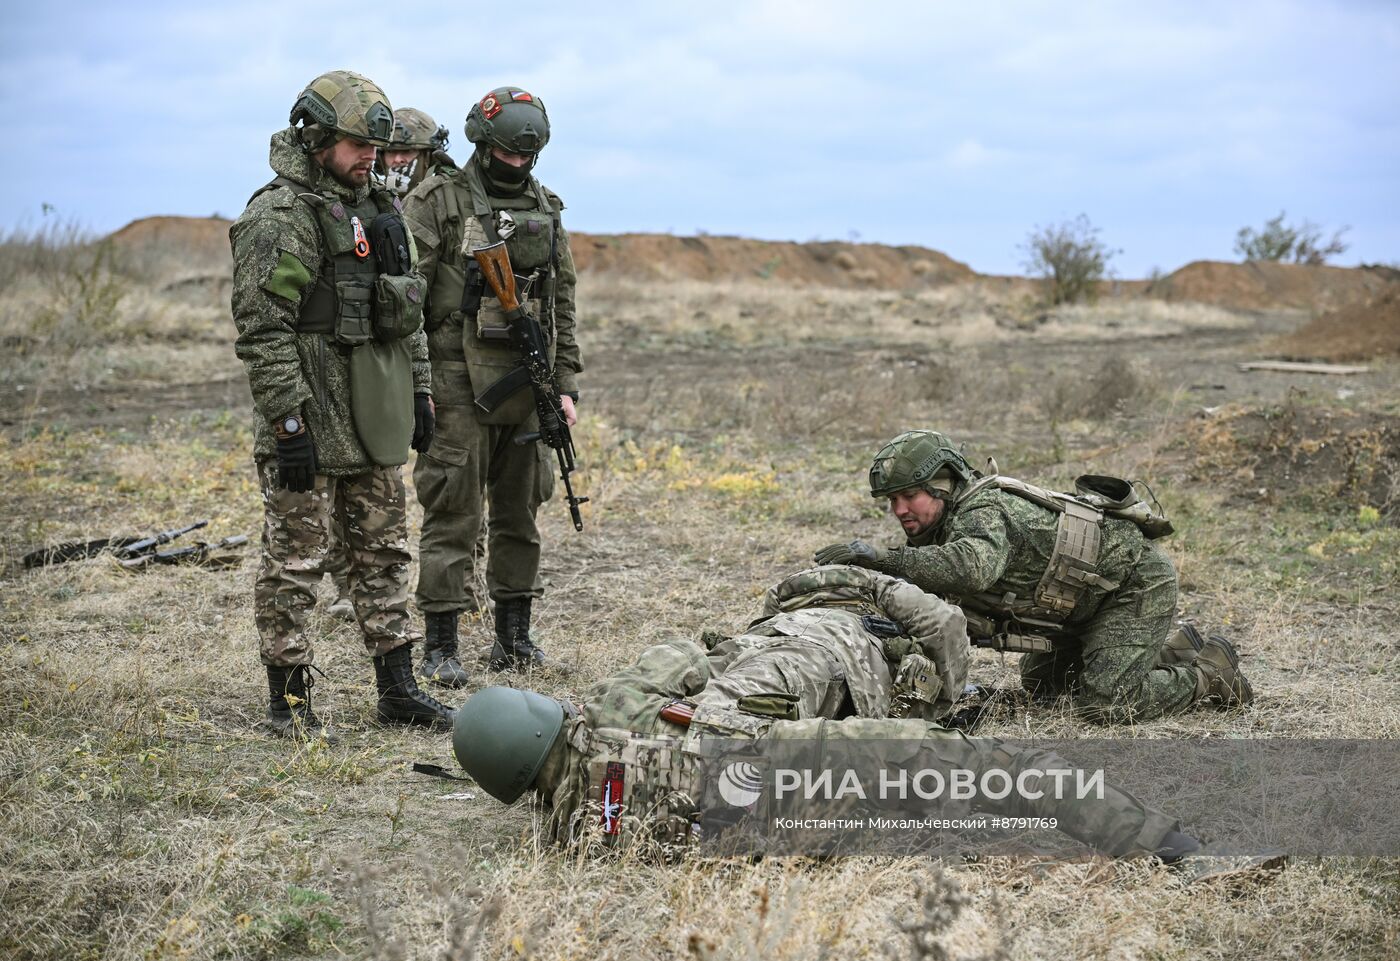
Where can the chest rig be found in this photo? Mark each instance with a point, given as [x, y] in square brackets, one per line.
[341, 304]
[1074, 560]
[529, 224]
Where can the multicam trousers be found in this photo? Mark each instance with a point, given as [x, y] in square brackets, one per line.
[369, 511]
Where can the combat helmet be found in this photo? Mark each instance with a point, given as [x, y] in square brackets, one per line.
[924, 459]
[501, 737]
[510, 118]
[415, 130]
[514, 121]
[342, 104]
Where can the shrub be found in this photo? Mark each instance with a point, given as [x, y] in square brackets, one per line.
[1286, 243]
[1070, 257]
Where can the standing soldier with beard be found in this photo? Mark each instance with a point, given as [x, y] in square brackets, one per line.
[328, 306]
[416, 145]
[475, 464]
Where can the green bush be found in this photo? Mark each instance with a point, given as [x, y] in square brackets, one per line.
[1070, 258]
[1286, 243]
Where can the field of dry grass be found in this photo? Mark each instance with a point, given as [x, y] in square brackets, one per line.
[725, 436]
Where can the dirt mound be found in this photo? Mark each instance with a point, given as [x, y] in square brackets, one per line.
[1361, 331]
[202, 236]
[1269, 286]
[1306, 454]
[824, 263]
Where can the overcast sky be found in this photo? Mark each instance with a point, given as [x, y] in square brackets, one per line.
[958, 126]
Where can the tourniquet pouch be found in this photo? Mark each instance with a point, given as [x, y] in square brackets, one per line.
[354, 312]
[381, 400]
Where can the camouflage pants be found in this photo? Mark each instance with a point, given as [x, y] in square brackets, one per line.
[1110, 668]
[1117, 824]
[475, 476]
[369, 510]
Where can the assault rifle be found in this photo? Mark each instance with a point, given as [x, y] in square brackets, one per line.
[1010, 636]
[534, 370]
[200, 553]
[125, 548]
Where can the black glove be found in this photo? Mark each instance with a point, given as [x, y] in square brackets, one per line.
[296, 461]
[858, 553]
[424, 420]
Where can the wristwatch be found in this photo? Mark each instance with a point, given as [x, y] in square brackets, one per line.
[289, 426]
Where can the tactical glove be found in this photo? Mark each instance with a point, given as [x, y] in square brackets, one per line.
[424, 420]
[296, 461]
[858, 553]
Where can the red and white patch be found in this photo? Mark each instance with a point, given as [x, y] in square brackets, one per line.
[521, 95]
[613, 785]
[490, 106]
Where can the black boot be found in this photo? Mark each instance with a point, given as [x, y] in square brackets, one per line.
[400, 701]
[289, 711]
[513, 649]
[440, 661]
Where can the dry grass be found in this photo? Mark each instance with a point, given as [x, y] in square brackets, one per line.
[147, 818]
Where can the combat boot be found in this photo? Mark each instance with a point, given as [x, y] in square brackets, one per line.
[1182, 647]
[289, 711]
[1218, 675]
[514, 649]
[440, 661]
[400, 700]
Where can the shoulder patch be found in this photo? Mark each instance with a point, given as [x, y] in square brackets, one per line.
[288, 278]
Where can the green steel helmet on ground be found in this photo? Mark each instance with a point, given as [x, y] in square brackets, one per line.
[922, 459]
[343, 104]
[415, 130]
[501, 737]
[509, 118]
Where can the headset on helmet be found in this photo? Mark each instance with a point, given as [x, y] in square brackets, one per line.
[339, 104]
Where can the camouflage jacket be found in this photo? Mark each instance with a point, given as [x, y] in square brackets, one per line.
[277, 259]
[434, 211]
[996, 542]
[621, 716]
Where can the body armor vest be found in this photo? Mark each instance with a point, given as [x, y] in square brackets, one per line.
[1073, 566]
[529, 224]
[341, 304]
[621, 785]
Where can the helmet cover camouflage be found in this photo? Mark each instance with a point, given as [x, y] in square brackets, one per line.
[509, 118]
[344, 103]
[415, 130]
[922, 459]
[502, 736]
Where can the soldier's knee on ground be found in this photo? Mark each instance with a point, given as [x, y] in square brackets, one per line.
[1046, 676]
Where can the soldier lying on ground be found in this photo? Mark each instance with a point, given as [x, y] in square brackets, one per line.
[1092, 576]
[814, 666]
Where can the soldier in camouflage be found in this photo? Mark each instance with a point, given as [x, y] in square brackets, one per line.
[418, 145]
[817, 665]
[475, 465]
[329, 314]
[1021, 555]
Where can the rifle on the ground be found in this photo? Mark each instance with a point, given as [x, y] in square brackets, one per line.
[125, 548]
[534, 370]
[200, 553]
